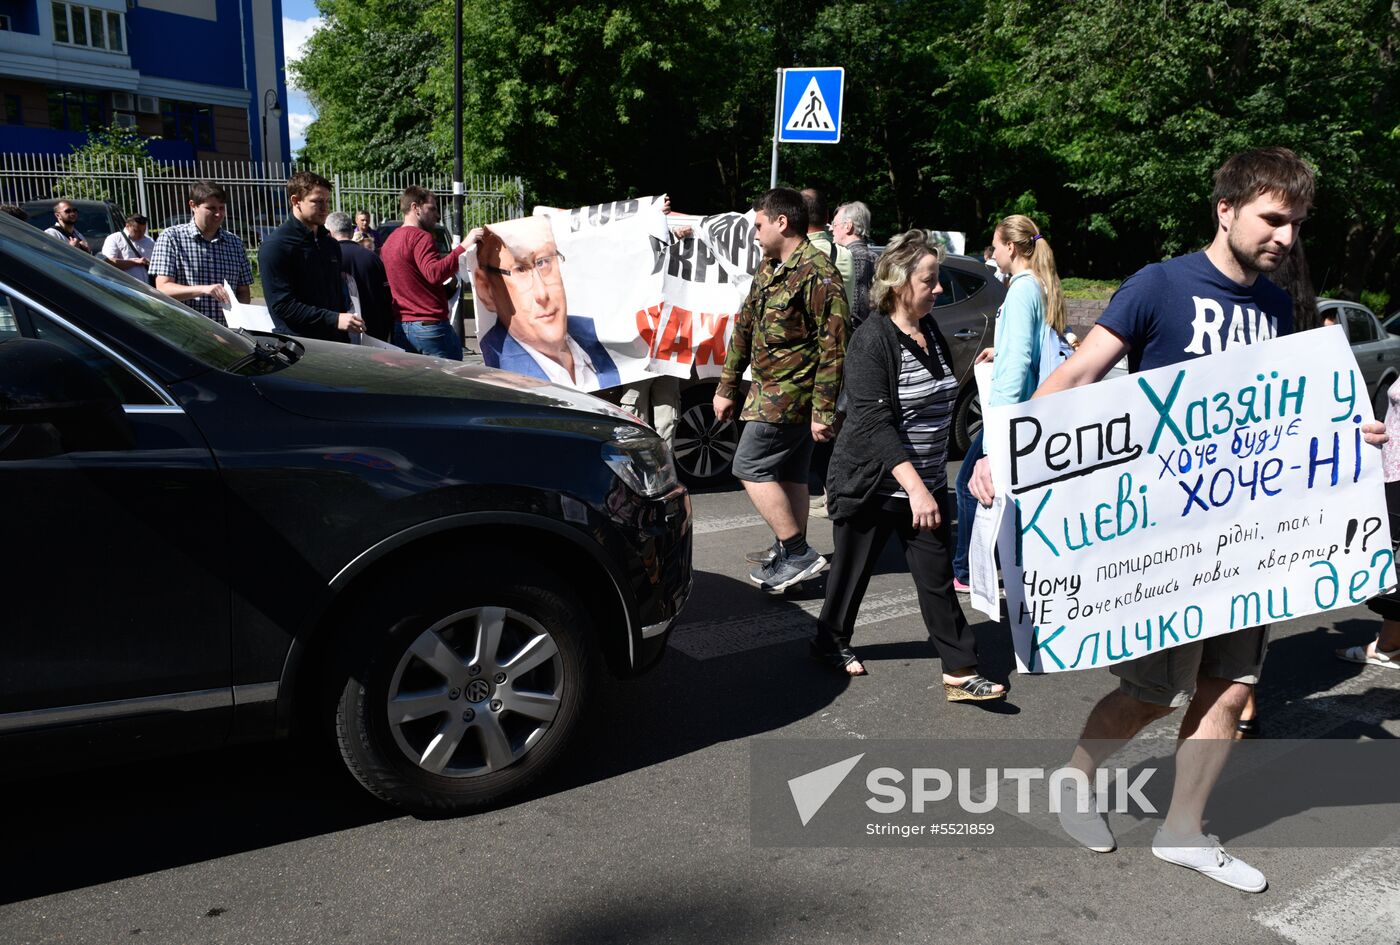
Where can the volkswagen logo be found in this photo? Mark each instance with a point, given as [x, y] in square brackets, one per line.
[478, 690]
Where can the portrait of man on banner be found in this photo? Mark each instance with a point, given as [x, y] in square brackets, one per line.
[519, 282]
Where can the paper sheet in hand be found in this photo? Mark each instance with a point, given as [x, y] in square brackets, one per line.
[369, 341]
[982, 374]
[982, 559]
[982, 562]
[242, 315]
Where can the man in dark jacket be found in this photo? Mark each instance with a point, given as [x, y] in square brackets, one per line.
[299, 264]
[366, 269]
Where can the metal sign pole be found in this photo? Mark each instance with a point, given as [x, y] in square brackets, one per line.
[777, 121]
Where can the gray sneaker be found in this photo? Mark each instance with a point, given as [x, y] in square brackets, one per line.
[765, 557]
[1081, 820]
[784, 571]
[1206, 856]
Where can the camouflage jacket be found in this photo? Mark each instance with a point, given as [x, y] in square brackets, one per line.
[792, 330]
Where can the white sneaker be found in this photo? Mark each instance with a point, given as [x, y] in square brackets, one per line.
[1082, 821]
[1206, 856]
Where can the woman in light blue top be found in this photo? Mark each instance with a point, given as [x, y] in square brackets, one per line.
[1029, 344]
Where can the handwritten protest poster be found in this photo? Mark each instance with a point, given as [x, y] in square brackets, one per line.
[1189, 501]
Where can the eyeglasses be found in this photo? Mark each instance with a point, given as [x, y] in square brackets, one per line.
[520, 275]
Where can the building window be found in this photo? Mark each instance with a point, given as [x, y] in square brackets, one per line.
[85, 26]
[186, 121]
[74, 110]
[13, 113]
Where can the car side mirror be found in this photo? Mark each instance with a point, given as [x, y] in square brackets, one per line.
[44, 385]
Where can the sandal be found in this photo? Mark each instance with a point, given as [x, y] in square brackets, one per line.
[1390, 659]
[1248, 728]
[974, 688]
[843, 660]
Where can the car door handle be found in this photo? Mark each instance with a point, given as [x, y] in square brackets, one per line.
[967, 333]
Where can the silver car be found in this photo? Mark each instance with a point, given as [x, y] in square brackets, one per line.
[1377, 351]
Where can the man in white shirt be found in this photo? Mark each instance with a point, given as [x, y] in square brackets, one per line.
[519, 277]
[129, 249]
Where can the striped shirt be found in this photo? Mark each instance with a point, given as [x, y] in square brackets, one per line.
[926, 415]
[185, 256]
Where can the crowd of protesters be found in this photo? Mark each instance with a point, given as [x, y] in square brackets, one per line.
[846, 359]
[890, 383]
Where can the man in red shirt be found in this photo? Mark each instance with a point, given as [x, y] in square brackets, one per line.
[416, 275]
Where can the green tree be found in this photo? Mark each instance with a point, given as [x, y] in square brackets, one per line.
[1134, 105]
[590, 101]
[364, 71]
[87, 171]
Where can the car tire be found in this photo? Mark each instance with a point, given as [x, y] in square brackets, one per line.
[704, 447]
[967, 420]
[469, 699]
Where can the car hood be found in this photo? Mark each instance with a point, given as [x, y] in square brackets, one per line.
[349, 383]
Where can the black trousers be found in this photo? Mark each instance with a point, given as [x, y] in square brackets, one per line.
[1388, 605]
[859, 540]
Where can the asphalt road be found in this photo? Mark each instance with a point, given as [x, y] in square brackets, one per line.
[644, 834]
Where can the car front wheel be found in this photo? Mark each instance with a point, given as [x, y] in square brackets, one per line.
[967, 420]
[704, 447]
[469, 699]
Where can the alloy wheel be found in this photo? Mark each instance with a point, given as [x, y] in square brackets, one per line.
[474, 692]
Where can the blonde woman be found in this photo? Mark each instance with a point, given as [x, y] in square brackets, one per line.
[1029, 344]
[888, 472]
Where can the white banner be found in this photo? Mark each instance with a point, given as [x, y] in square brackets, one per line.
[606, 295]
[1188, 501]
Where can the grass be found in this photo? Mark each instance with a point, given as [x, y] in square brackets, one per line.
[1089, 288]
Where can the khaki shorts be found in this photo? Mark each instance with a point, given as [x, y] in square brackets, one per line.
[1168, 677]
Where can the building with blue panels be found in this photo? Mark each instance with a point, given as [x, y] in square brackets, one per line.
[206, 76]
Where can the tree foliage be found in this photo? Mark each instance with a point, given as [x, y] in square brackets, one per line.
[365, 72]
[1135, 104]
[1103, 120]
[86, 172]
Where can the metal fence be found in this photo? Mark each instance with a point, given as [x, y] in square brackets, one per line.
[257, 192]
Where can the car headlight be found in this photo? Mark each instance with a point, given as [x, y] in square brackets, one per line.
[642, 460]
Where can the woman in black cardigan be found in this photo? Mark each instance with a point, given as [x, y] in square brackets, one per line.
[889, 468]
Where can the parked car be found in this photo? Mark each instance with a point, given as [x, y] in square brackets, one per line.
[1392, 323]
[218, 536]
[97, 219]
[966, 311]
[442, 242]
[1377, 351]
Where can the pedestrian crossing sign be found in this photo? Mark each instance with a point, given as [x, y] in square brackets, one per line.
[811, 105]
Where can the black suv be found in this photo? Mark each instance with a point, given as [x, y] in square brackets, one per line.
[214, 536]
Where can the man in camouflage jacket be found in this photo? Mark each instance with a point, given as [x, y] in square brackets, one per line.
[792, 332]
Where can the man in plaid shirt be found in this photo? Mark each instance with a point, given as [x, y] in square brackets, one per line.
[192, 260]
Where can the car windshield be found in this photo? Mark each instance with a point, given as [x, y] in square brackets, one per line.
[107, 287]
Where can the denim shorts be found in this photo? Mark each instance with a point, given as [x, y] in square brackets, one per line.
[774, 452]
[436, 338]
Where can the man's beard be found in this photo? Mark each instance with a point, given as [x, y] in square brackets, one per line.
[1255, 262]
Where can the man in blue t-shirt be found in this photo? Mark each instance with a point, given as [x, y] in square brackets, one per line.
[1168, 312]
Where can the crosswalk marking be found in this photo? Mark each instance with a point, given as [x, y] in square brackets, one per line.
[1357, 902]
[707, 526]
